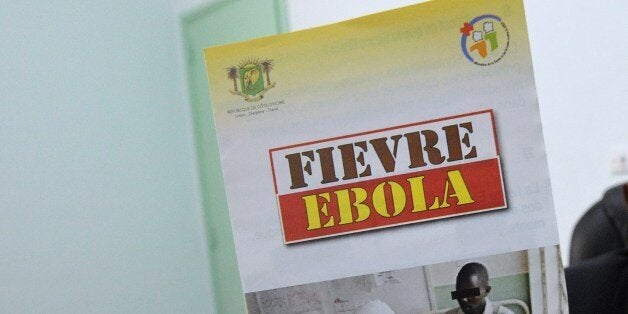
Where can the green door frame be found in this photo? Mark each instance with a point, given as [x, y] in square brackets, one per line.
[225, 277]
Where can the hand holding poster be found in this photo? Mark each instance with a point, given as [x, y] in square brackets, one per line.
[367, 163]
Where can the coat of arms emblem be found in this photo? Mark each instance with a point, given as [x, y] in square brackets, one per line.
[253, 76]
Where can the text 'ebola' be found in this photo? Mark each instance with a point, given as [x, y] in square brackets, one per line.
[383, 178]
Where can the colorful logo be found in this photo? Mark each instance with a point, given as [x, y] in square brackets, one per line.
[250, 75]
[485, 39]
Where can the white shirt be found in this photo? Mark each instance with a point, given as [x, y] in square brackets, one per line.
[488, 309]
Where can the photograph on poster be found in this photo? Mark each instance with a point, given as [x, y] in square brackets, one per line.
[528, 281]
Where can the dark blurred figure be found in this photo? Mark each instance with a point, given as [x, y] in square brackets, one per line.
[603, 228]
[597, 278]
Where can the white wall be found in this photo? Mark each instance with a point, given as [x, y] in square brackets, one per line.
[99, 202]
[304, 14]
[579, 50]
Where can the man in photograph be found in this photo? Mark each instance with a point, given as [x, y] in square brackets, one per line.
[472, 291]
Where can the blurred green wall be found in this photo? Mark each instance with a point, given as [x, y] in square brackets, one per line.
[221, 22]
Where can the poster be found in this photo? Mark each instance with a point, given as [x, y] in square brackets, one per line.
[360, 156]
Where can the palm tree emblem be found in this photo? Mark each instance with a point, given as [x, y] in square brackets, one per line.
[267, 66]
[232, 73]
[249, 73]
